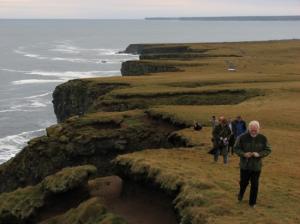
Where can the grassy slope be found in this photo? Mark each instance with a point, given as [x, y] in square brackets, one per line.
[208, 190]
[271, 67]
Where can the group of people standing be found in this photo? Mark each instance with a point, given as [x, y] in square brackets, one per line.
[225, 132]
[249, 145]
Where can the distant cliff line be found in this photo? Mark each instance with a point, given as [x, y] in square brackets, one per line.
[231, 18]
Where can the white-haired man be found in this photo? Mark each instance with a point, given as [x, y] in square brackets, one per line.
[251, 147]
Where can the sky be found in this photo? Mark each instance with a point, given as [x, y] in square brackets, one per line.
[138, 9]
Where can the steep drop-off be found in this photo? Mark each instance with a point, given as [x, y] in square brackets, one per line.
[95, 139]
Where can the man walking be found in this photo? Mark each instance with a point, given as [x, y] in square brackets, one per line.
[213, 122]
[238, 127]
[221, 134]
[251, 147]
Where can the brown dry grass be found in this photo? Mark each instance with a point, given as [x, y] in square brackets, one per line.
[208, 189]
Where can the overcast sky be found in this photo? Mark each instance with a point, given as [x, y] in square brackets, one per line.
[131, 9]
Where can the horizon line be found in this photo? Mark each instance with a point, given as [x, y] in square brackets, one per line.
[149, 17]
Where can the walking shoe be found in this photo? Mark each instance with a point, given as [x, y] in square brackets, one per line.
[252, 206]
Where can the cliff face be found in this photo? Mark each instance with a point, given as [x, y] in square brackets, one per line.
[134, 49]
[92, 139]
[159, 58]
[76, 97]
[154, 52]
[157, 48]
[69, 187]
[132, 68]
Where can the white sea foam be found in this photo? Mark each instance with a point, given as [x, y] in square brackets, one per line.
[30, 104]
[76, 60]
[27, 104]
[75, 74]
[16, 110]
[67, 47]
[11, 145]
[36, 81]
[70, 49]
[34, 56]
[64, 76]
[38, 96]
[9, 110]
[12, 70]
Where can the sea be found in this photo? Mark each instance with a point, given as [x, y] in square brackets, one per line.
[38, 55]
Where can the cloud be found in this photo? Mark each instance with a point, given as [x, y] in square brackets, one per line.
[143, 8]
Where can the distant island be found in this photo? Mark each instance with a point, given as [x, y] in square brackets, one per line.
[230, 18]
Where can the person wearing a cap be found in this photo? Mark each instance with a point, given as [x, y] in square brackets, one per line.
[251, 147]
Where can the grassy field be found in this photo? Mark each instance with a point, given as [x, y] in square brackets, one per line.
[141, 113]
[208, 190]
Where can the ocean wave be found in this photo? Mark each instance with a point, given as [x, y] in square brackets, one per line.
[65, 49]
[38, 96]
[30, 104]
[12, 70]
[11, 145]
[63, 76]
[15, 110]
[27, 97]
[27, 104]
[70, 49]
[75, 74]
[40, 57]
[36, 81]
[76, 60]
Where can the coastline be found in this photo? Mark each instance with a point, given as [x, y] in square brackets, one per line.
[104, 119]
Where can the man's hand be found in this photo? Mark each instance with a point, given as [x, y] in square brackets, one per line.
[255, 154]
[248, 154]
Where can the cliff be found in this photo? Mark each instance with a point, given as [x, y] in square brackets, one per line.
[77, 97]
[142, 121]
[132, 68]
[95, 139]
[166, 58]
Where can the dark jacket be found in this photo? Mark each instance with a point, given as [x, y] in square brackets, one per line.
[247, 143]
[221, 131]
[235, 130]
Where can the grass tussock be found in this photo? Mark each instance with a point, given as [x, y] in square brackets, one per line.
[23, 204]
[91, 211]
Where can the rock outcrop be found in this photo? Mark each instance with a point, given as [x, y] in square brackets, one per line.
[134, 49]
[76, 97]
[26, 204]
[91, 211]
[130, 68]
[92, 139]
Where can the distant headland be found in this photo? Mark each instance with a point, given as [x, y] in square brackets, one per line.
[231, 18]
